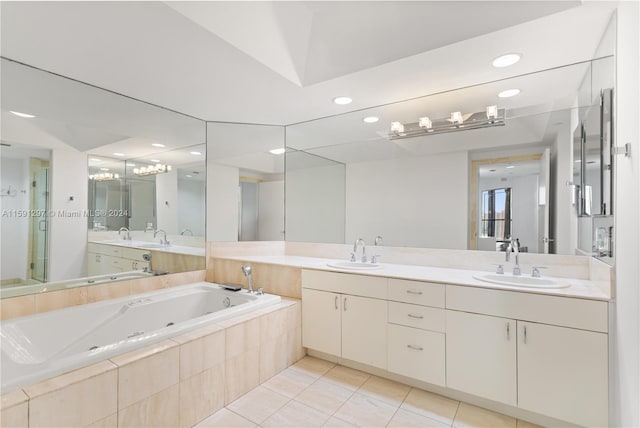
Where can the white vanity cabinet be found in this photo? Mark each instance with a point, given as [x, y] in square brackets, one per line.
[546, 354]
[345, 315]
[106, 259]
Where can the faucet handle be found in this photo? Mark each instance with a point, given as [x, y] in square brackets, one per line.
[353, 257]
[500, 269]
[535, 271]
[374, 258]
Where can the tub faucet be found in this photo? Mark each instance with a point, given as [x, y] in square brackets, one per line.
[358, 242]
[162, 241]
[514, 246]
[246, 270]
[128, 236]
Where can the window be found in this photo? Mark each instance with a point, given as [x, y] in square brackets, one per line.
[495, 217]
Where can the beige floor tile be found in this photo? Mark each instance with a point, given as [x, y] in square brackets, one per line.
[295, 415]
[289, 382]
[313, 366]
[225, 418]
[334, 422]
[258, 404]
[430, 405]
[469, 416]
[524, 424]
[362, 410]
[406, 419]
[346, 377]
[324, 396]
[385, 390]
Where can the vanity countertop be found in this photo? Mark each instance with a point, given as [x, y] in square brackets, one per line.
[153, 246]
[577, 288]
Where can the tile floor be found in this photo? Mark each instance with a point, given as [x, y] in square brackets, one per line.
[317, 393]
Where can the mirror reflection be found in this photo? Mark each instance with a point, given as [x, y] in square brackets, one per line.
[68, 183]
[400, 172]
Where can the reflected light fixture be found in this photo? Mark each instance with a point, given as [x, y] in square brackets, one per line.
[104, 176]
[278, 151]
[157, 145]
[506, 60]
[370, 119]
[152, 169]
[509, 93]
[342, 100]
[492, 116]
[118, 154]
[195, 153]
[25, 115]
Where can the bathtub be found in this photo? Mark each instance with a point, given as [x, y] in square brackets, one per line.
[40, 346]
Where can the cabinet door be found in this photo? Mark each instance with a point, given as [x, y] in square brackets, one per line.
[321, 321]
[562, 373]
[94, 264]
[481, 355]
[364, 330]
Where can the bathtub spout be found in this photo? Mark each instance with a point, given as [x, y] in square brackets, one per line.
[246, 270]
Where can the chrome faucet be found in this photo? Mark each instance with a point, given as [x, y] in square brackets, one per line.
[187, 230]
[128, 236]
[246, 270]
[358, 242]
[514, 246]
[377, 242]
[162, 241]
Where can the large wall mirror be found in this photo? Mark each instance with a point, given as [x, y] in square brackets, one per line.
[464, 169]
[95, 184]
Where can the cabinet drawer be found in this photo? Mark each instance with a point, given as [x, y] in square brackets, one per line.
[562, 311]
[357, 285]
[417, 316]
[417, 292]
[417, 354]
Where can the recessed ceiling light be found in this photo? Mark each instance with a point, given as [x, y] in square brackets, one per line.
[195, 153]
[131, 164]
[154, 160]
[506, 60]
[277, 151]
[370, 119]
[511, 166]
[104, 169]
[118, 154]
[342, 100]
[188, 175]
[17, 113]
[509, 93]
[157, 145]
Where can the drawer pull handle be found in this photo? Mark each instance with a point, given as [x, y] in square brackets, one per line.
[335, 302]
[525, 334]
[508, 331]
[415, 316]
[415, 348]
[344, 305]
[419, 293]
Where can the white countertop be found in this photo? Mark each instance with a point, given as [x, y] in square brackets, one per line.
[154, 246]
[578, 288]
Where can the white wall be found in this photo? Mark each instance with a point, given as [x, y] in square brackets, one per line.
[167, 202]
[222, 202]
[625, 315]
[14, 233]
[191, 206]
[68, 228]
[429, 193]
[271, 208]
[315, 204]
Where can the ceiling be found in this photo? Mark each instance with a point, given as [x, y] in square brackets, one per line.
[284, 62]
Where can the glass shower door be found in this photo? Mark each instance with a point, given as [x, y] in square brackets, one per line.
[40, 225]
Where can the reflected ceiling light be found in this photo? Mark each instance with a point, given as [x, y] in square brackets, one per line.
[118, 154]
[154, 160]
[342, 100]
[25, 115]
[506, 60]
[195, 153]
[157, 145]
[509, 93]
[105, 176]
[278, 151]
[492, 116]
[511, 167]
[131, 164]
[425, 122]
[152, 169]
[188, 175]
[104, 169]
[95, 160]
[370, 119]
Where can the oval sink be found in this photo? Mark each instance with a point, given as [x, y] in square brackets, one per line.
[354, 265]
[520, 281]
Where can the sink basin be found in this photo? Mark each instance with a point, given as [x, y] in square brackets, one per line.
[354, 265]
[145, 245]
[520, 281]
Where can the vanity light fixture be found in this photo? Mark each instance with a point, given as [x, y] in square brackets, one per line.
[278, 151]
[509, 93]
[25, 115]
[506, 60]
[342, 100]
[370, 119]
[492, 116]
[152, 169]
[104, 176]
[157, 145]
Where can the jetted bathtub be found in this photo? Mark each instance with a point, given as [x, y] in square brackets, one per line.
[40, 346]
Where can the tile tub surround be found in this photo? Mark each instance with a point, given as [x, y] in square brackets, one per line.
[20, 306]
[177, 382]
[316, 393]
